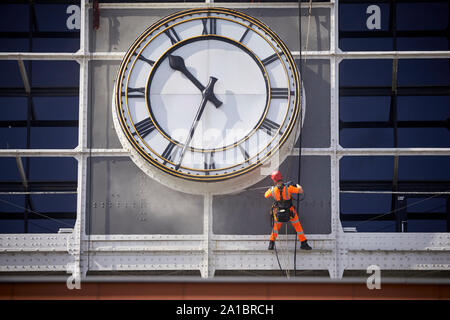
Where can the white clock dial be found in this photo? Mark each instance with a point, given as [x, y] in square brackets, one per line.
[207, 95]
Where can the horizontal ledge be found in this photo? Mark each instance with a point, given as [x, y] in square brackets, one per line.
[370, 151]
[63, 152]
[37, 192]
[118, 56]
[392, 151]
[395, 192]
[164, 249]
[372, 54]
[295, 152]
[392, 54]
[230, 5]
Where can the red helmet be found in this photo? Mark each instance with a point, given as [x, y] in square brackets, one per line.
[276, 176]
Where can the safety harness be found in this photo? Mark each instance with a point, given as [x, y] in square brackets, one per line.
[282, 208]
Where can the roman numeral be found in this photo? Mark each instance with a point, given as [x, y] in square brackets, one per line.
[270, 59]
[209, 162]
[269, 126]
[135, 93]
[244, 152]
[170, 152]
[280, 93]
[150, 62]
[212, 26]
[245, 33]
[173, 36]
[144, 127]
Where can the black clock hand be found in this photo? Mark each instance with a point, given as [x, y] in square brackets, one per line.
[177, 63]
[207, 93]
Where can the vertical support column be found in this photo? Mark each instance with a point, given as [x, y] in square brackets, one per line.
[207, 268]
[79, 267]
[336, 267]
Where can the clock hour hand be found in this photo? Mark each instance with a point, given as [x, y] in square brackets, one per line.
[177, 63]
[207, 92]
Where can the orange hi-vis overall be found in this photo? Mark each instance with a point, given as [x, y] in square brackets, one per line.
[286, 194]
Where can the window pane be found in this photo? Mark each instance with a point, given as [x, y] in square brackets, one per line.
[43, 168]
[423, 137]
[366, 44]
[427, 225]
[12, 226]
[367, 138]
[422, 44]
[426, 108]
[13, 138]
[10, 74]
[53, 17]
[424, 168]
[364, 108]
[56, 44]
[9, 171]
[56, 108]
[54, 138]
[353, 203]
[14, 45]
[418, 26]
[13, 108]
[14, 17]
[353, 17]
[372, 226]
[428, 205]
[56, 73]
[422, 16]
[48, 225]
[54, 202]
[423, 72]
[374, 168]
[10, 205]
[42, 211]
[49, 27]
[365, 73]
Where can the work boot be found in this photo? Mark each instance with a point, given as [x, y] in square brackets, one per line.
[305, 245]
[271, 244]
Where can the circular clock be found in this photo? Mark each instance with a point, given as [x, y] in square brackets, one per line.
[206, 97]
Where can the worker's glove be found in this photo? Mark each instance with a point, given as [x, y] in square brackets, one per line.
[300, 187]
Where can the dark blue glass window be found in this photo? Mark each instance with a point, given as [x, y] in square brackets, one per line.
[405, 25]
[419, 185]
[40, 27]
[40, 199]
[45, 117]
[404, 107]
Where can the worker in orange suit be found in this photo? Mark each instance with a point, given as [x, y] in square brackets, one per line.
[283, 210]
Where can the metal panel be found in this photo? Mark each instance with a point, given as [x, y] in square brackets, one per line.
[285, 21]
[101, 127]
[124, 200]
[316, 80]
[118, 29]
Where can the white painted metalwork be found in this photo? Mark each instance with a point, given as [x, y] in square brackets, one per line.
[336, 252]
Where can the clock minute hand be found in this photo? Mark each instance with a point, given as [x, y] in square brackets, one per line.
[177, 63]
[207, 93]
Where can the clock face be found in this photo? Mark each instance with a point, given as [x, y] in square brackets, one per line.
[207, 95]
